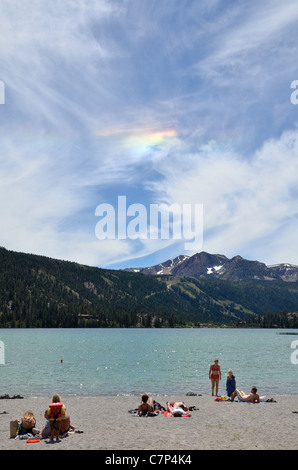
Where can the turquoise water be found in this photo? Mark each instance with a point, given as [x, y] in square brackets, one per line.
[133, 361]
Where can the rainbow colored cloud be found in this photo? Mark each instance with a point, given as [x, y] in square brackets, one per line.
[141, 139]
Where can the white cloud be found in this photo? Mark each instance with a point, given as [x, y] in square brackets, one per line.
[249, 31]
[245, 201]
[216, 76]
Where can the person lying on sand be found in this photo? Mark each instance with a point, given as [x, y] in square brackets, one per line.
[178, 409]
[253, 397]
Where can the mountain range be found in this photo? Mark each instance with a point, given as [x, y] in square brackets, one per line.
[41, 292]
[213, 266]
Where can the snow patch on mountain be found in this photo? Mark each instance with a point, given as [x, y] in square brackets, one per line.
[214, 268]
[204, 265]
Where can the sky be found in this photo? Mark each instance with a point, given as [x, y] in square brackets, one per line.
[173, 102]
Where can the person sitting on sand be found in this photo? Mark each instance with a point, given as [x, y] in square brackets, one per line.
[178, 409]
[46, 430]
[27, 425]
[65, 426]
[231, 383]
[253, 397]
[145, 407]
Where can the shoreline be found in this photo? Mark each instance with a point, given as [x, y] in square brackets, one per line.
[106, 424]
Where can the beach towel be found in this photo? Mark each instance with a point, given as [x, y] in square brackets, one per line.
[29, 435]
[143, 415]
[171, 415]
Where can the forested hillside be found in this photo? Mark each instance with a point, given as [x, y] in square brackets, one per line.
[37, 291]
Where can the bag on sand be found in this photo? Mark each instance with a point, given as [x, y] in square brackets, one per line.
[14, 428]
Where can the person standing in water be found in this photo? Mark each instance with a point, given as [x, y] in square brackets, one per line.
[215, 376]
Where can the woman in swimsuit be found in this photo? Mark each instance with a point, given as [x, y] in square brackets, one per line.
[215, 376]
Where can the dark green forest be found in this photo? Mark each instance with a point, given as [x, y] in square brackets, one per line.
[272, 320]
[41, 292]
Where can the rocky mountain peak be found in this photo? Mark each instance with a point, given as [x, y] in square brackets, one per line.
[204, 265]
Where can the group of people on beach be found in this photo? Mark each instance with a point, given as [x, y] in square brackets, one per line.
[148, 405]
[58, 422]
[232, 391]
[56, 425]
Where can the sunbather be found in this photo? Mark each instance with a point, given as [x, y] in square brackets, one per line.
[145, 407]
[253, 397]
[178, 409]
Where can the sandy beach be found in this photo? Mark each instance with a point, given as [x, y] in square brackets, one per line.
[107, 425]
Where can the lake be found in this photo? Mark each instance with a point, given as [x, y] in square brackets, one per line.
[91, 362]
